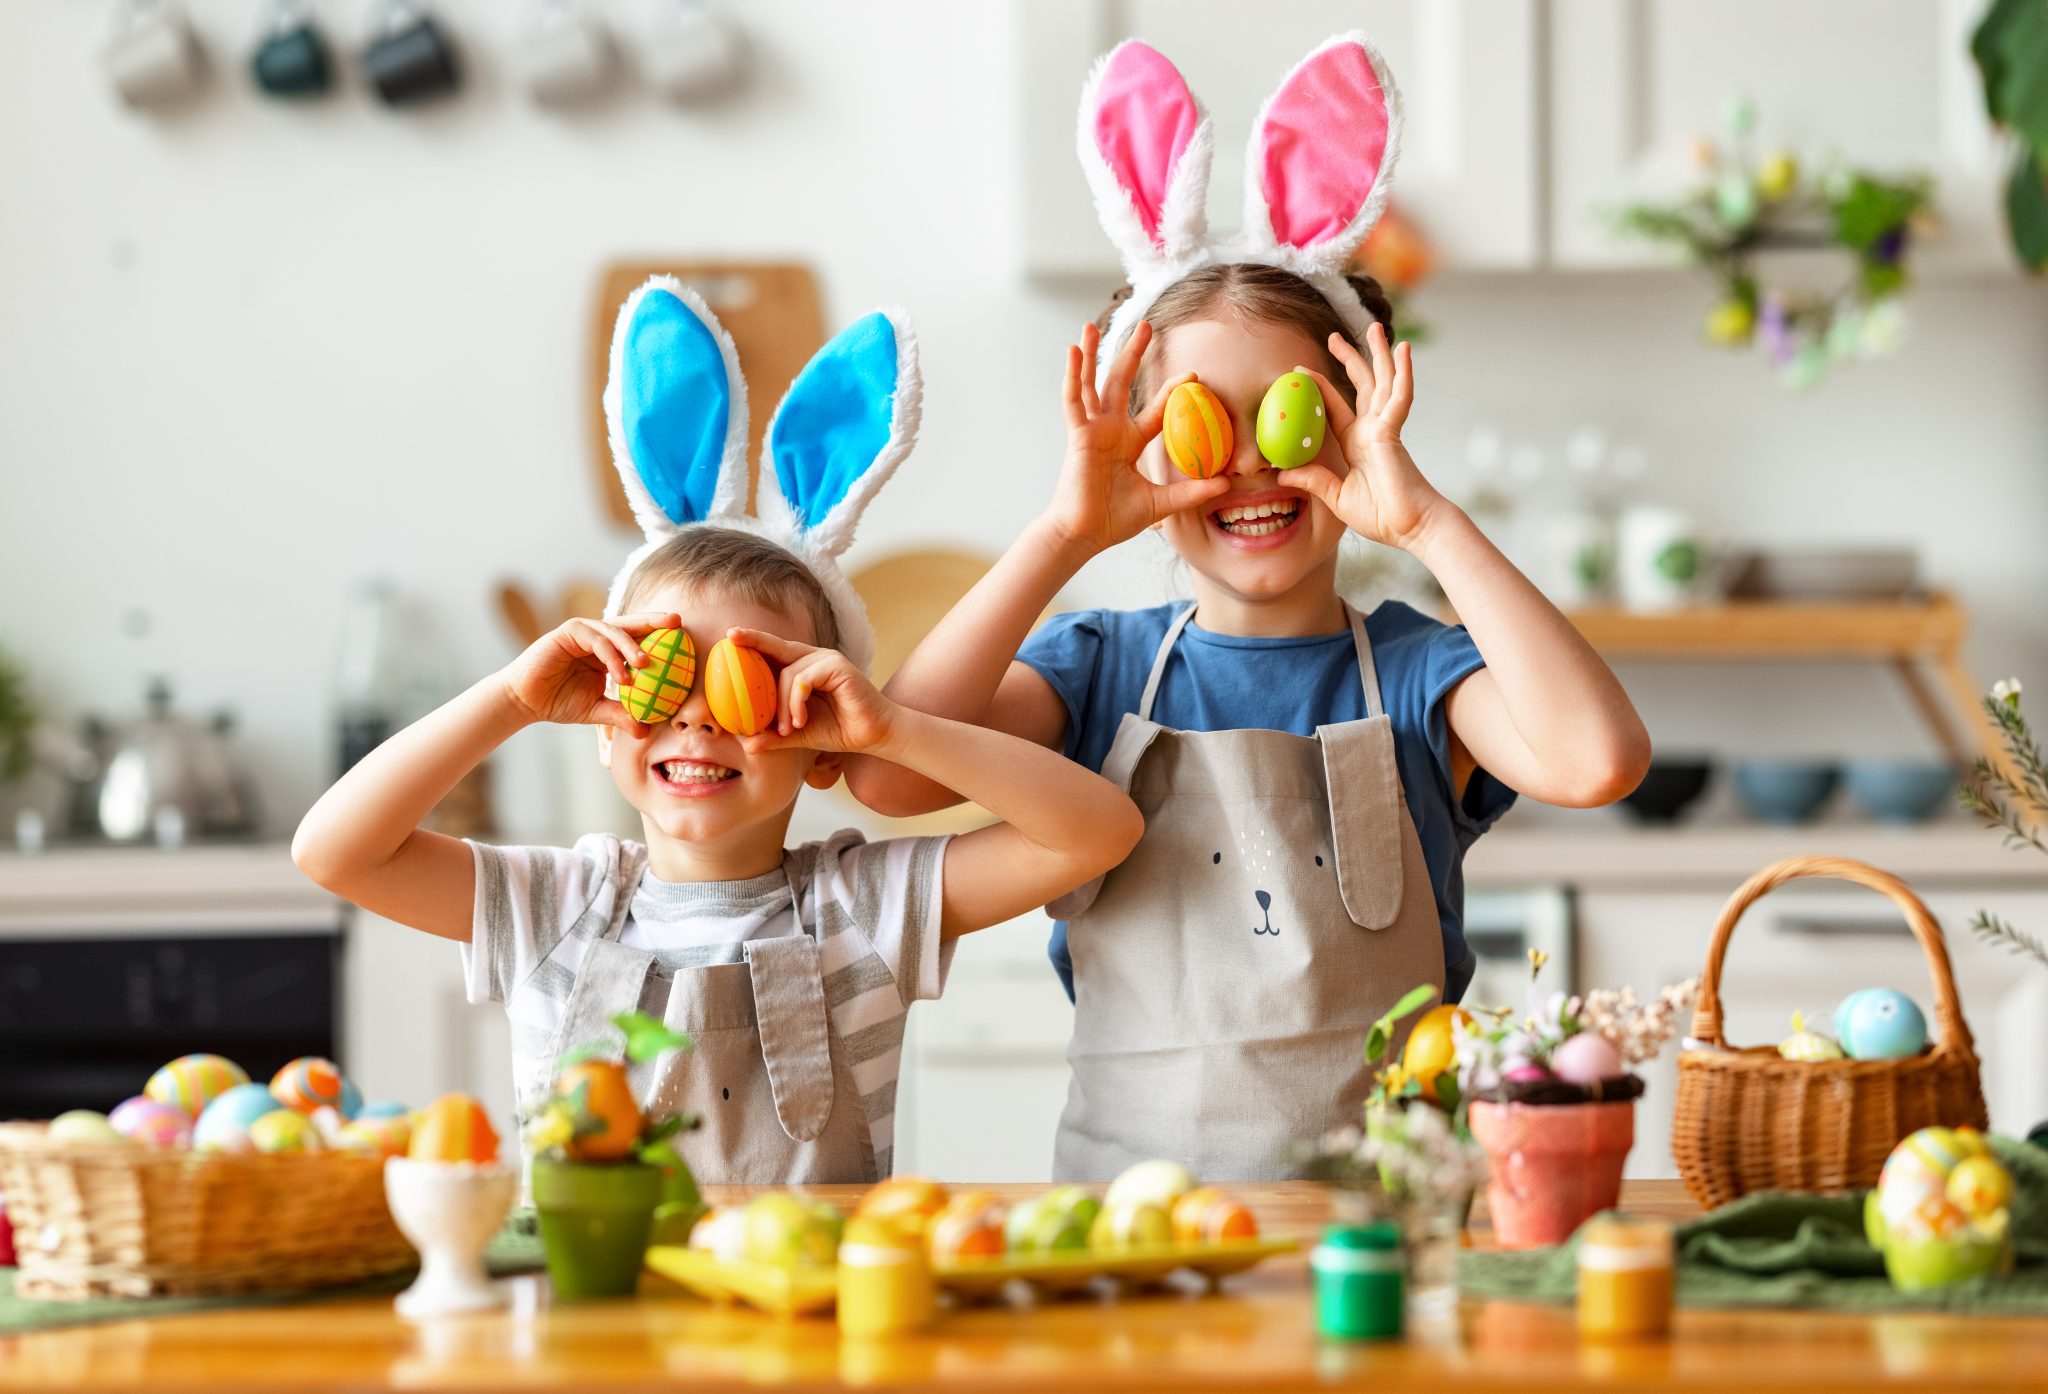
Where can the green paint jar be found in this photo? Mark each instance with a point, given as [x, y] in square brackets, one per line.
[1360, 1282]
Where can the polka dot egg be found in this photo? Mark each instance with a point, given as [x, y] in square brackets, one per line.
[153, 1124]
[659, 690]
[1290, 424]
[307, 1083]
[191, 1082]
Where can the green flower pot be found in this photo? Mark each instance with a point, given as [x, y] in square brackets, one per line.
[594, 1223]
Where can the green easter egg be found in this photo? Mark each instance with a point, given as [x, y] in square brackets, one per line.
[1290, 427]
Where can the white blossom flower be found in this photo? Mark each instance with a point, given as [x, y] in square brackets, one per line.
[2006, 690]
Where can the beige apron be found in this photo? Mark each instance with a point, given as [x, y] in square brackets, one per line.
[1226, 973]
[766, 1075]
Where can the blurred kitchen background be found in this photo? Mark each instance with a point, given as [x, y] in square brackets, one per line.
[299, 432]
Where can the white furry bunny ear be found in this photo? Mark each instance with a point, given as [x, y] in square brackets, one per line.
[1321, 159]
[675, 407]
[1146, 145]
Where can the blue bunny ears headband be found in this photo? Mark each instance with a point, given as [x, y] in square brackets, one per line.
[676, 410]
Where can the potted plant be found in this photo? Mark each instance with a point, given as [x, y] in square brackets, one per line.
[1552, 1101]
[604, 1173]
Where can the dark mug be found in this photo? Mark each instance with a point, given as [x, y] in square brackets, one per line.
[293, 61]
[411, 60]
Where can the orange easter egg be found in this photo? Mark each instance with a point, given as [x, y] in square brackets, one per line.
[910, 1200]
[1208, 1216]
[1197, 432]
[610, 1126]
[453, 1128]
[739, 686]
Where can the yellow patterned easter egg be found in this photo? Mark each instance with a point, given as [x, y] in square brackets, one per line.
[191, 1082]
[1197, 431]
[659, 690]
[1809, 1047]
[284, 1130]
[739, 687]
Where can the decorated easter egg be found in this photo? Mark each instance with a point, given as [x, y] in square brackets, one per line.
[351, 1099]
[1038, 1228]
[1805, 1045]
[969, 1226]
[1208, 1216]
[1432, 1049]
[82, 1125]
[1879, 1024]
[1077, 1202]
[191, 1082]
[607, 1118]
[910, 1201]
[382, 1136]
[722, 1233]
[1133, 1225]
[153, 1124]
[1197, 431]
[383, 1108]
[453, 1128]
[658, 691]
[1160, 1182]
[1586, 1058]
[739, 687]
[1290, 425]
[1979, 1185]
[224, 1127]
[307, 1083]
[284, 1130]
[1528, 1072]
[784, 1230]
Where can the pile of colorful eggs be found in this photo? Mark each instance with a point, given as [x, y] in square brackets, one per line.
[1875, 1023]
[207, 1103]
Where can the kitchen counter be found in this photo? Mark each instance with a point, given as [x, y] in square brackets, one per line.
[1258, 1335]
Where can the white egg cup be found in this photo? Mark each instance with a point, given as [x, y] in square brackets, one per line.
[449, 1211]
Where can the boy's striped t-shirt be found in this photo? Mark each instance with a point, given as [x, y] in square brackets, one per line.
[873, 907]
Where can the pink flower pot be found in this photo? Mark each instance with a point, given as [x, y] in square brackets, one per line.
[1554, 1166]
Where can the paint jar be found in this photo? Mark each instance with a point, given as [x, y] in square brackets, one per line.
[1360, 1282]
[885, 1280]
[1626, 1278]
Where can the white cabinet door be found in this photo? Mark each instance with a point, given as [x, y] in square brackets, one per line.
[411, 1033]
[1467, 70]
[1887, 83]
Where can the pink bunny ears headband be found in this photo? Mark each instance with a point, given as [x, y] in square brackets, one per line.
[1321, 158]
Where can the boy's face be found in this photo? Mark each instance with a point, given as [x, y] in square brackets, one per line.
[1254, 558]
[688, 776]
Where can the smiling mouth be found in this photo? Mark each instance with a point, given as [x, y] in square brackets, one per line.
[1258, 520]
[693, 776]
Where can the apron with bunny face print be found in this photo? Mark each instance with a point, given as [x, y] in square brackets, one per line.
[1226, 974]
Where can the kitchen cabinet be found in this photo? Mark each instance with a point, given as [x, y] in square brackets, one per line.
[1468, 72]
[411, 1031]
[1887, 83]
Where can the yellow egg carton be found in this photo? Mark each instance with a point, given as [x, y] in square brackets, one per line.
[797, 1291]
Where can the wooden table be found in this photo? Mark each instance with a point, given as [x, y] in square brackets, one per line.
[1259, 1335]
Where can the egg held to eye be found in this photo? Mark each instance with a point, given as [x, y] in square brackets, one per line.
[657, 692]
[739, 687]
[1197, 432]
[1291, 421]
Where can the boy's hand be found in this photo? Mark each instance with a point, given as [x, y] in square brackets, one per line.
[561, 675]
[1102, 499]
[1382, 496]
[823, 702]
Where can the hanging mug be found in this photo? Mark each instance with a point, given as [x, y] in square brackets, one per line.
[564, 56]
[293, 59]
[410, 59]
[152, 56]
[691, 51]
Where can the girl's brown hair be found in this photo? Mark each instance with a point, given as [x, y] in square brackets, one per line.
[1256, 294]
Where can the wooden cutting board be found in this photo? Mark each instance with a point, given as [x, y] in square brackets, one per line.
[772, 311]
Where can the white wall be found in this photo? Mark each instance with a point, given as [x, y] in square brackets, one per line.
[252, 353]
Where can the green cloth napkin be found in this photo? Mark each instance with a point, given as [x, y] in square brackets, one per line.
[1777, 1249]
[514, 1249]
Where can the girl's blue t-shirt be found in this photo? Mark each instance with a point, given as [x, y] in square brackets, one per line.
[1098, 660]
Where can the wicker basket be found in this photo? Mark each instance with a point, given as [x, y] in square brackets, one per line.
[100, 1219]
[1748, 1120]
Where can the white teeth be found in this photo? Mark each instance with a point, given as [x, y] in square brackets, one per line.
[1252, 521]
[689, 772]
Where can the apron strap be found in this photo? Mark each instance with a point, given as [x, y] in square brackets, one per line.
[1368, 673]
[1367, 813]
[796, 1040]
[1134, 736]
[1159, 662]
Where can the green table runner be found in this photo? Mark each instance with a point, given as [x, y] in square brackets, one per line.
[1782, 1250]
[515, 1249]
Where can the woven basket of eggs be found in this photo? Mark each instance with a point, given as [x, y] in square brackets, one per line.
[115, 1218]
[1749, 1119]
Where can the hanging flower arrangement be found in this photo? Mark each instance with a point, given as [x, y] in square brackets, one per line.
[1749, 205]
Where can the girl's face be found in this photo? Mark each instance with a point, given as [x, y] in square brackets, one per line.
[1263, 539]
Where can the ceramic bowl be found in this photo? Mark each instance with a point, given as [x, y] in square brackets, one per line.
[1784, 791]
[1901, 791]
[1669, 787]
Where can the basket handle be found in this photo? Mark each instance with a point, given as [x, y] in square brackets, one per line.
[1951, 1032]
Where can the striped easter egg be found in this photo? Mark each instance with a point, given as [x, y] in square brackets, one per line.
[191, 1082]
[659, 690]
[1197, 431]
[739, 686]
[307, 1083]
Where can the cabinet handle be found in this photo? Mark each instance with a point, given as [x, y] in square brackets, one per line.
[1847, 926]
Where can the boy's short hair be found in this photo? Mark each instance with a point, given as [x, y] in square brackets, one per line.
[741, 564]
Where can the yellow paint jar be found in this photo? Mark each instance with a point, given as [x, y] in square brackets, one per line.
[885, 1279]
[1626, 1278]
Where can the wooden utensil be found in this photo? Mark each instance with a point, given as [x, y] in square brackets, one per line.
[772, 311]
[521, 615]
[583, 600]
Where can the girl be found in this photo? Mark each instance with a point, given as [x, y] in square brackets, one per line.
[1310, 777]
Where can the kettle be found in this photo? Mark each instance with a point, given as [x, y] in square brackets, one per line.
[170, 778]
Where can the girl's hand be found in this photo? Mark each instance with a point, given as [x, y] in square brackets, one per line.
[1382, 495]
[1102, 499]
[823, 702]
[561, 675]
